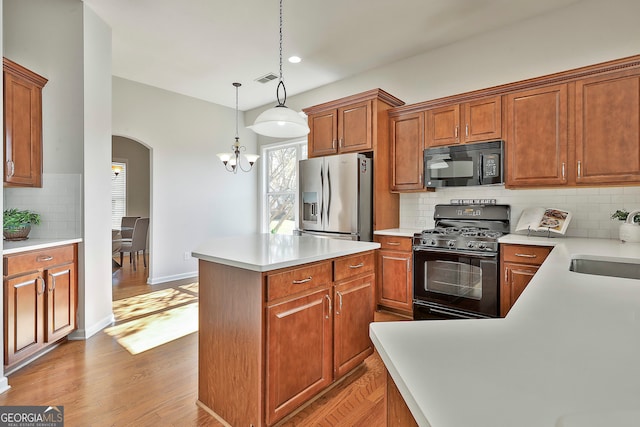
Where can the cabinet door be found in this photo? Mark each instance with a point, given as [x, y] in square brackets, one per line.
[61, 302]
[537, 137]
[353, 314]
[407, 146]
[395, 282]
[299, 349]
[323, 135]
[354, 127]
[516, 277]
[443, 126]
[23, 316]
[483, 119]
[608, 129]
[23, 132]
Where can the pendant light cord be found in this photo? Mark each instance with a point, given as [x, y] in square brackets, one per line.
[281, 103]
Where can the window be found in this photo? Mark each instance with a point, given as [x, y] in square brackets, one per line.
[118, 193]
[280, 186]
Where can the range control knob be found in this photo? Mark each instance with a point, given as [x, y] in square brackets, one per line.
[451, 243]
[470, 245]
[482, 246]
[432, 242]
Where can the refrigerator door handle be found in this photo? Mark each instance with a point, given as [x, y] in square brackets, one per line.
[322, 196]
[329, 186]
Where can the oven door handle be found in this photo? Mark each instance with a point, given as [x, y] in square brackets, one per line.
[457, 252]
[449, 313]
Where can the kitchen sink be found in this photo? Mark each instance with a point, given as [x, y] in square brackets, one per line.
[628, 268]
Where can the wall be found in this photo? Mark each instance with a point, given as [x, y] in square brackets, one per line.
[585, 33]
[138, 174]
[192, 196]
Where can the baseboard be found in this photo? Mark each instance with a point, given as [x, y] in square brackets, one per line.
[4, 384]
[158, 280]
[83, 334]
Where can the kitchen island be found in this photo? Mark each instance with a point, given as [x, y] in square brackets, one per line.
[566, 354]
[281, 318]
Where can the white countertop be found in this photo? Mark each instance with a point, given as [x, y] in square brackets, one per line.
[567, 354]
[400, 232]
[11, 247]
[266, 252]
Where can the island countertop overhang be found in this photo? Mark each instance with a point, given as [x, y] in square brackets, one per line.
[267, 252]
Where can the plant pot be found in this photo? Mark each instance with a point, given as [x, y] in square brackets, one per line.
[17, 233]
[630, 231]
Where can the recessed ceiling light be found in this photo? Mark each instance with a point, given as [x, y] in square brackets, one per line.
[294, 59]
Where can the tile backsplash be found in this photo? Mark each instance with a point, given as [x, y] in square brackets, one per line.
[58, 202]
[591, 207]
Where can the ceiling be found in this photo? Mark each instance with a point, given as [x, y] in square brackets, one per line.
[200, 47]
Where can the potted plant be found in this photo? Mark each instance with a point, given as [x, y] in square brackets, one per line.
[630, 228]
[16, 224]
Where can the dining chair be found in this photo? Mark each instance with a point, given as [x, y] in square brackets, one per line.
[137, 243]
[126, 226]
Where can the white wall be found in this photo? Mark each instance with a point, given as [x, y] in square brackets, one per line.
[585, 33]
[192, 196]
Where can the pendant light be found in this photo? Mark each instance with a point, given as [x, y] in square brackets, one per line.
[280, 121]
[233, 161]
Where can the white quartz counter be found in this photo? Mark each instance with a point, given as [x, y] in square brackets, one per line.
[266, 252]
[567, 354]
[11, 247]
[399, 232]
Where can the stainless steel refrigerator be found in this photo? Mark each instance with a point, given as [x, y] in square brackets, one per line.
[336, 197]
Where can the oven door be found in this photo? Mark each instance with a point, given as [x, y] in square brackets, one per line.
[465, 282]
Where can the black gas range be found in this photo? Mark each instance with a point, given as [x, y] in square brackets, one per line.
[455, 272]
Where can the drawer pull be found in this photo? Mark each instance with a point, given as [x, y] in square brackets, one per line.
[527, 255]
[43, 258]
[357, 265]
[299, 282]
[393, 243]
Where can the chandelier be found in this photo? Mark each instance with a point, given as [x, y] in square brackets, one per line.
[280, 121]
[233, 161]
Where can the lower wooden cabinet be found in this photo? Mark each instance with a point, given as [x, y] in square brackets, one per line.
[395, 274]
[40, 289]
[519, 264]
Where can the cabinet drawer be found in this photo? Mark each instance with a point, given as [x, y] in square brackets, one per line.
[395, 243]
[39, 259]
[295, 280]
[524, 254]
[354, 265]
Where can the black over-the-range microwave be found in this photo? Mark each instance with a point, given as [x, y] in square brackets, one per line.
[481, 163]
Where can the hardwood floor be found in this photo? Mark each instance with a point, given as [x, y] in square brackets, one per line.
[100, 383]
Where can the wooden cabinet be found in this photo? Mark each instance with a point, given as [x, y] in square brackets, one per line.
[40, 294]
[537, 134]
[346, 129]
[22, 126]
[395, 274]
[407, 146]
[317, 323]
[519, 264]
[608, 129]
[478, 120]
[360, 123]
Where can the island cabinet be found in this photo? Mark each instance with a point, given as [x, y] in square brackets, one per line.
[359, 123]
[407, 146]
[22, 126]
[395, 274]
[537, 135]
[40, 294]
[271, 341]
[608, 128]
[519, 264]
[477, 120]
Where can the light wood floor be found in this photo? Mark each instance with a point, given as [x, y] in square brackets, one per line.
[99, 383]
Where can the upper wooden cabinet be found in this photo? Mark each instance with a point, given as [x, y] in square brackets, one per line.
[537, 132]
[478, 120]
[407, 145]
[608, 129]
[22, 126]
